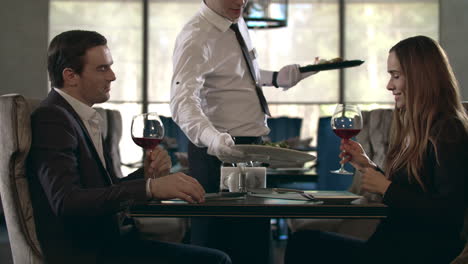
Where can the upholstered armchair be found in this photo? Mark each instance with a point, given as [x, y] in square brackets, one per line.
[15, 142]
[374, 139]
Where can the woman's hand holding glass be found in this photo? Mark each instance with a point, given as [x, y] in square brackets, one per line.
[371, 180]
[353, 153]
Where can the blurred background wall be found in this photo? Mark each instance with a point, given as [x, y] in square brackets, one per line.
[23, 47]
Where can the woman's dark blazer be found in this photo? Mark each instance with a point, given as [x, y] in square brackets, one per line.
[425, 226]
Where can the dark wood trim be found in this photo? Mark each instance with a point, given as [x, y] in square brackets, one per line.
[260, 207]
[341, 39]
[145, 60]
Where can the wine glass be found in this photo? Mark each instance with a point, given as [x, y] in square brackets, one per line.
[346, 122]
[254, 160]
[147, 130]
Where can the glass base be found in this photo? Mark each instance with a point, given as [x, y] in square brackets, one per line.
[342, 171]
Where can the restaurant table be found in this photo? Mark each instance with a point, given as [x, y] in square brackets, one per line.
[259, 207]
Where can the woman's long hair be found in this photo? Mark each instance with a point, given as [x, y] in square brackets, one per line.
[431, 94]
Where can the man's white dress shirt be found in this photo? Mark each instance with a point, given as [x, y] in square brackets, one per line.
[91, 119]
[212, 90]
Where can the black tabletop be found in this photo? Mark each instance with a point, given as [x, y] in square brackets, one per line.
[260, 207]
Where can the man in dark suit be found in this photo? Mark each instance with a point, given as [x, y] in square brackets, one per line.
[79, 205]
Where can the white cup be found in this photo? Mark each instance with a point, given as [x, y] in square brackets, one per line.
[255, 178]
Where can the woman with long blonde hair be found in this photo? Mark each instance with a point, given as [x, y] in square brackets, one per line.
[425, 180]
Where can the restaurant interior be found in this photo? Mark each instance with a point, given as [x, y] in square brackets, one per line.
[141, 36]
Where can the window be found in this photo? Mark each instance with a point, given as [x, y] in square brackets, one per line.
[121, 23]
[370, 28]
[312, 31]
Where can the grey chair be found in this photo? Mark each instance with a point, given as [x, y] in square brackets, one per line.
[374, 139]
[112, 140]
[376, 146]
[15, 142]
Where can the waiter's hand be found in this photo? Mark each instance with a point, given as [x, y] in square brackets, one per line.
[290, 75]
[221, 147]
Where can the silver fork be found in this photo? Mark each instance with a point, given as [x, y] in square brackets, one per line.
[301, 192]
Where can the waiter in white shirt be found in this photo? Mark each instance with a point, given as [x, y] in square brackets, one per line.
[217, 100]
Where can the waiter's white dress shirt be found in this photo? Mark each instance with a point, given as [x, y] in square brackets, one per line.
[212, 90]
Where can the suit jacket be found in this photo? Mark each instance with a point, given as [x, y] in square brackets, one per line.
[77, 202]
[425, 226]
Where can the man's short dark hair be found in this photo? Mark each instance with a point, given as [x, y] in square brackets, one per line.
[67, 50]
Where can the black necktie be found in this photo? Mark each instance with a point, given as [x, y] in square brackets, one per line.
[248, 60]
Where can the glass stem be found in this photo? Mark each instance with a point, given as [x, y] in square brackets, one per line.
[242, 187]
[242, 176]
[342, 164]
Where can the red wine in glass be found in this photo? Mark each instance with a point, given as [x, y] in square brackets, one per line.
[346, 122]
[147, 130]
[345, 133]
[147, 143]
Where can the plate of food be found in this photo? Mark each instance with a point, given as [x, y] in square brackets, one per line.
[333, 64]
[275, 153]
[289, 170]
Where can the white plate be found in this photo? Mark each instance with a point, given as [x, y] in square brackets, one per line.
[290, 169]
[336, 197]
[343, 196]
[276, 154]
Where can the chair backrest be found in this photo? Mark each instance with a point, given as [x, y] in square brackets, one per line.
[172, 130]
[15, 142]
[374, 138]
[111, 129]
[328, 149]
[104, 125]
[282, 128]
[112, 140]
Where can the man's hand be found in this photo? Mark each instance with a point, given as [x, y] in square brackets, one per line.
[221, 147]
[374, 181]
[157, 163]
[177, 185]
